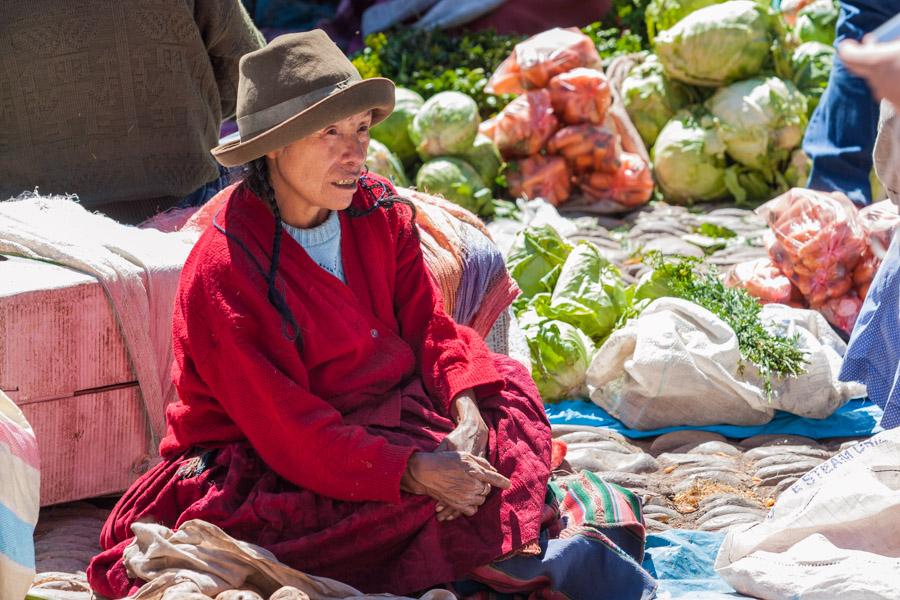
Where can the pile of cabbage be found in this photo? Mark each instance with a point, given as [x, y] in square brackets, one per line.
[572, 299]
[724, 99]
[437, 139]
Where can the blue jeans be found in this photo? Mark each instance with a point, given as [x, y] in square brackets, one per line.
[841, 133]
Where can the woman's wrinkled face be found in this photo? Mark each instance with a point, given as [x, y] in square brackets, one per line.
[319, 173]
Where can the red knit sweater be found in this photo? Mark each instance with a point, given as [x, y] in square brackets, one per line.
[305, 408]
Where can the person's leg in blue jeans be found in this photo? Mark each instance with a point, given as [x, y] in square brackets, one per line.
[841, 133]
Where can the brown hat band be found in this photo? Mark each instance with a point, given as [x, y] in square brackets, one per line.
[254, 123]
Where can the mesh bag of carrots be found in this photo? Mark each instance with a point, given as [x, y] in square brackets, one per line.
[534, 62]
[817, 241]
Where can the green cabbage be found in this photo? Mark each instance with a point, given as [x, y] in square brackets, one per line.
[662, 14]
[817, 22]
[652, 99]
[812, 63]
[393, 132]
[445, 125]
[760, 121]
[560, 353]
[457, 181]
[797, 172]
[536, 259]
[718, 44]
[382, 161]
[589, 293]
[484, 156]
[689, 159]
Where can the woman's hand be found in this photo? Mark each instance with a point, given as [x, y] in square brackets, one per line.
[471, 433]
[459, 481]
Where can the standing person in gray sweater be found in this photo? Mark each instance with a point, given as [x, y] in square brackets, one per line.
[118, 102]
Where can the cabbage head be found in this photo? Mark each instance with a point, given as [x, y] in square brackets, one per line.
[689, 159]
[651, 98]
[717, 45]
[382, 161]
[760, 120]
[817, 22]
[560, 353]
[536, 259]
[589, 293]
[484, 156]
[457, 181]
[797, 172]
[662, 14]
[393, 132]
[445, 125]
[812, 63]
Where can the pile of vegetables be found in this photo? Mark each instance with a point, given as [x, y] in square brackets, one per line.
[725, 97]
[557, 134]
[573, 299]
[438, 139]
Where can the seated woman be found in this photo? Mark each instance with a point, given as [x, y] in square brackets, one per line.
[330, 411]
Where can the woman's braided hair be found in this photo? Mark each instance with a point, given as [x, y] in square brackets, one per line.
[256, 177]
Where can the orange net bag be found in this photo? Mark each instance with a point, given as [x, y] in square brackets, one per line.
[540, 176]
[580, 96]
[630, 185]
[525, 124]
[534, 62]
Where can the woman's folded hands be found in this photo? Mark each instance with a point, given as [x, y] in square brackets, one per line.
[458, 481]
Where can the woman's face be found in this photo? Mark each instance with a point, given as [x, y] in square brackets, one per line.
[319, 173]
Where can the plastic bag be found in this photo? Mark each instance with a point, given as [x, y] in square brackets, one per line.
[762, 279]
[586, 148]
[534, 62]
[630, 185]
[581, 96]
[842, 312]
[816, 242]
[879, 222]
[545, 177]
[525, 125]
[488, 127]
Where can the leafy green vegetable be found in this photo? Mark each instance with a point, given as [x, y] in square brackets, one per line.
[612, 41]
[457, 181]
[760, 121]
[484, 156]
[560, 353]
[715, 231]
[393, 132]
[718, 44]
[445, 125]
[536, 259]
[772, 355]
[689, 159]
[652, 99]
[382, 161]
[812, 63]
[817, 22]
[662, 14]
[589, 293]
[430, 62]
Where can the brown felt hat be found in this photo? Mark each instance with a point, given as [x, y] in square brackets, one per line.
[298, 84]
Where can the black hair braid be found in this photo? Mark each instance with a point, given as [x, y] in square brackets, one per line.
[257, 178]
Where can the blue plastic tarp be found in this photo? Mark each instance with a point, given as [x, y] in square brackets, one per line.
[682, 562]
[857, 418]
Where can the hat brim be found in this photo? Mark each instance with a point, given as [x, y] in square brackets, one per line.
[376, 94]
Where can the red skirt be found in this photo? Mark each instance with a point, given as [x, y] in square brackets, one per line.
[373, 546]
